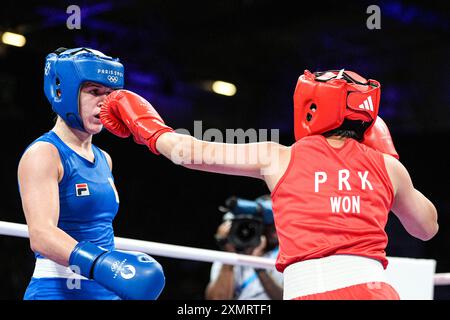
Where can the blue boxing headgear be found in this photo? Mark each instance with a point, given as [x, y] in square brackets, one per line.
[65, 72]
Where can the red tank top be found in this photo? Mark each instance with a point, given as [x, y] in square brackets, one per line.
[332, 201]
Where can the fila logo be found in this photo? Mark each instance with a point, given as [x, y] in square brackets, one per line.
[367, 104]
[82, 189]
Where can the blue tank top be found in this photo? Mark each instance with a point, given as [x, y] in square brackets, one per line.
[88, 200]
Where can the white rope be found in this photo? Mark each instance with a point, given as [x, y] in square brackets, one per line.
[442, 279]
[182, 252]
[162, 249]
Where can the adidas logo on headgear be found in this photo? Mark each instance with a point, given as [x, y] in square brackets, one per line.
[367, 104]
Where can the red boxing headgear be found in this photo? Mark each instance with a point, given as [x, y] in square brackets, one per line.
[322, 100]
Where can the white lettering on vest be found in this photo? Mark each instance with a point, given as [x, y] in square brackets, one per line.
[323, 178]
[343, 177]
[364, 180]
[346, 204]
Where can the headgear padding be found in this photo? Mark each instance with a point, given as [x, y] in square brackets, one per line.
[322, 100]
[65, 72]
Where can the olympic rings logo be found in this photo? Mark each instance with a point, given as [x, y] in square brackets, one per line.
[113, 79]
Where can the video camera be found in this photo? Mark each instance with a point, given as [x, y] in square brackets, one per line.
[247, 220]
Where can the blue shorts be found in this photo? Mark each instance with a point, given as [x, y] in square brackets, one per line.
[57, 289]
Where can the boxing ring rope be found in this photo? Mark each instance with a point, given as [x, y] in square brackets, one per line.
[162, 249]
[182, 252]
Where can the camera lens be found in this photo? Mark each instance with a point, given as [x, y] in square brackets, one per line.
[245, 233]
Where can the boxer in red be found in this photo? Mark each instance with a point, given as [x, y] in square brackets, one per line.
[332, 190]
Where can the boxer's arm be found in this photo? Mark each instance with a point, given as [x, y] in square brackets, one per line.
[124, 111]
[258, 160]
[417, 214]
[38, 182]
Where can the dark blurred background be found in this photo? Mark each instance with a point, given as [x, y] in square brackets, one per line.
[171, 48]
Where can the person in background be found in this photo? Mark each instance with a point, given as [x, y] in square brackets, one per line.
[228, 282]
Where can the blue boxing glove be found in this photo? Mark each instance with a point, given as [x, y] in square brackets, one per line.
[131, 275]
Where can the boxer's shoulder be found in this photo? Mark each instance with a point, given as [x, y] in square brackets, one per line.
[41, 152]
[42, 157]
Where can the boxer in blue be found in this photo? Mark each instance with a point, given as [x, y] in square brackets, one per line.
[68, 192]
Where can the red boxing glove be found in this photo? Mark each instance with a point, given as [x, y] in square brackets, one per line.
[114, 124]
[379, 138]
[124, 111]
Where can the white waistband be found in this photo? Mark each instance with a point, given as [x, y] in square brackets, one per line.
[46, 268]
[330, 273]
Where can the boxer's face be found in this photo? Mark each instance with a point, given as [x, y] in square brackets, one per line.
[91, 96]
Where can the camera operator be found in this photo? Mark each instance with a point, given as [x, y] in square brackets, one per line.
[248, 228]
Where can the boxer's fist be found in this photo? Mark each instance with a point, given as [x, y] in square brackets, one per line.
[379, 138]
[131, 275]
[125, 108]
[113, 123]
